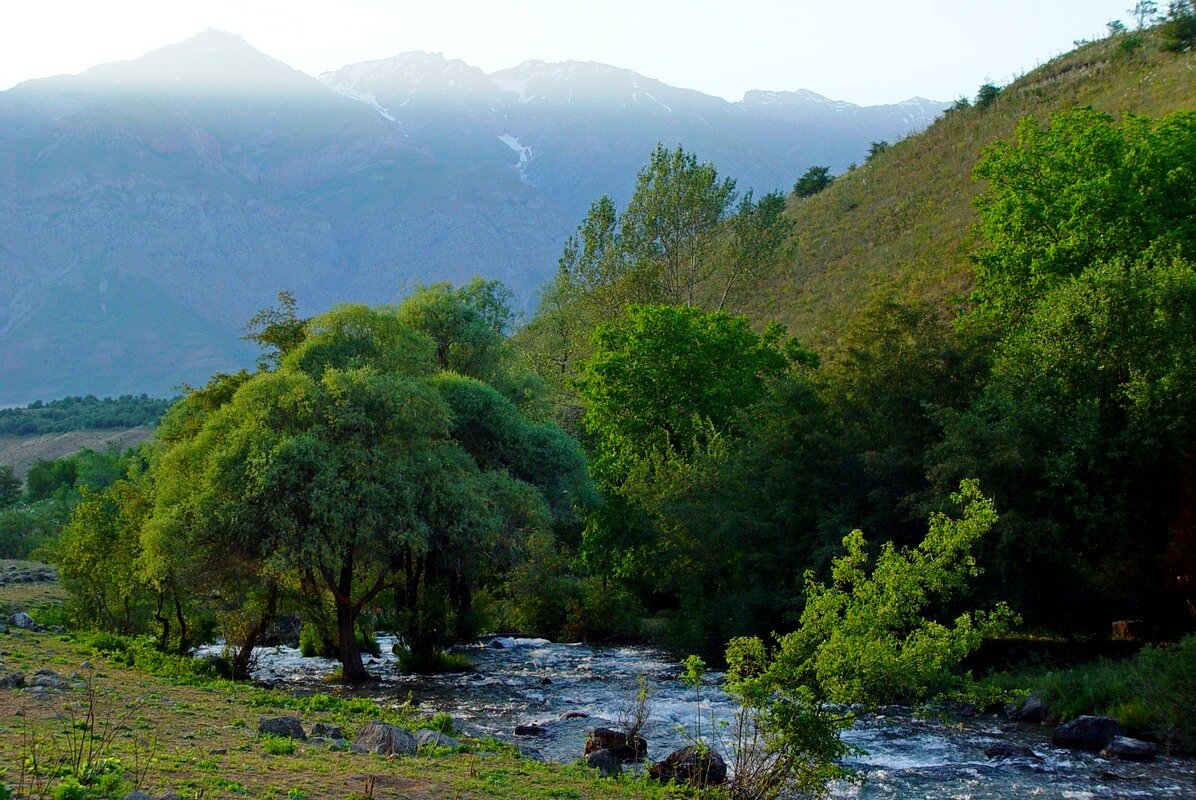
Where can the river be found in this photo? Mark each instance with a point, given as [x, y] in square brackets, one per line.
[903, 754]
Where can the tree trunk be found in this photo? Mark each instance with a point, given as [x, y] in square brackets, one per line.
[352, 668]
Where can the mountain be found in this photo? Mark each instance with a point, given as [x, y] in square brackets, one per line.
[149, 207]
[902, 224]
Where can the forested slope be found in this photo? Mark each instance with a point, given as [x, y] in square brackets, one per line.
[902, 223]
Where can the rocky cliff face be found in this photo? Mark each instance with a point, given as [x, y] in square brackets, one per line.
[147, 208]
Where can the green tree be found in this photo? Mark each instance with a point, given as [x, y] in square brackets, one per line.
[1178, 27]
[10, 487]
[276, 331]
[1080, 190]
[1084, 426]
[670, 228]
[987, 95]
[467, 323]
[869, 636]
[759, 235]
[46, 477]
[813, 181]
[661, 373]
[98, 555]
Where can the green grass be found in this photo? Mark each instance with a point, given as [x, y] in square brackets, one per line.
[902, 224]
[204, 734]
[1152, 695]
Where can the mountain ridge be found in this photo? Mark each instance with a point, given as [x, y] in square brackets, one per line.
[148, 207]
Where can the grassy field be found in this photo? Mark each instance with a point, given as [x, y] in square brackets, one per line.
[20, 452]
[23, 596]
[902, 224]
[204, 743]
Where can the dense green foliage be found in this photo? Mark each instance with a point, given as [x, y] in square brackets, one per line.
[813, 181]
[1078, 191]
[82, 413]
[870, 635]
[732, 462]
[31, 518]
[367, 470]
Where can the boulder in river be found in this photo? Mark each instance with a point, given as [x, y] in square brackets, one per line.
[287, 727]
[1087, 733]
[530, 730]
[383, 739]
[621, 746]
[691, 765]
[1129, 749]
[606, 762]
[1008, 750]
[1033, 709]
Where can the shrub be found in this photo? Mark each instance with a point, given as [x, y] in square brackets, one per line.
[278, 745]
[987, 95]
[1179, 26]
[864, 637]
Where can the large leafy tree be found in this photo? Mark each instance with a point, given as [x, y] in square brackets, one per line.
[357, 466]
[1079, 190]
[685, 237]
[666, 393]
[1083, 430]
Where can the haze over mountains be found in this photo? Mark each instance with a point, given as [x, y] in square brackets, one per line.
[149, 207]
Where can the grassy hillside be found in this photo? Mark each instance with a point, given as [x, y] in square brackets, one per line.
[903, 222]
[20, 452]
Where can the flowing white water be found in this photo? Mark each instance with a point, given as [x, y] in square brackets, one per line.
[905, 755]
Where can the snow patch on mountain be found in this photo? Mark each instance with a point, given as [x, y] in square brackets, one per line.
[524, 153]
[364, 97]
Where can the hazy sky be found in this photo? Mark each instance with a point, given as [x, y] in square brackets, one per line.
[867, 52]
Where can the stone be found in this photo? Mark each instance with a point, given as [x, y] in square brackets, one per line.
[383, 739]
[622, 746]
[13, 680]
[530, 730]
[47, 679]
[21, 620]
[327, 731]
[138, 796]
[288, 727]
[1007, 750]
[426, 737]
[574, 715]
[606, 762]
[691, 766]
[1128, 749]
[1086, 733]
[1033, 709]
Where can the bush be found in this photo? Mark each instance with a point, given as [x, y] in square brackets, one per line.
[1179, 26]
[987, 95]
[442, 721]
[278, 745]
[141, 652]
[311, 643]
[864, 637]
[1150, 694]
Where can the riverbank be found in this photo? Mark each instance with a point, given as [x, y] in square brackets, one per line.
[201, 740]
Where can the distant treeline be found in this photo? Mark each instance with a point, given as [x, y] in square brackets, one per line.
[83, 413]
